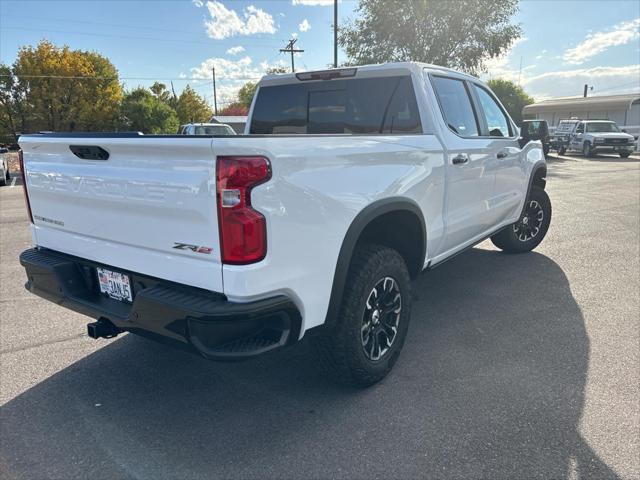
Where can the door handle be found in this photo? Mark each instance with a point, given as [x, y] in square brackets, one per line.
[502, 154]
[460, 159]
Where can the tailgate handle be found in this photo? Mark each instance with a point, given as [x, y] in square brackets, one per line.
[89, 152]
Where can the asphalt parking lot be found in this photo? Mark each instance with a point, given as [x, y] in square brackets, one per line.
[522, 366]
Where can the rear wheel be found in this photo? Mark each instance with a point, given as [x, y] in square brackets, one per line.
[624, 154]
[373, 320]
[562, 150]
[527, 233]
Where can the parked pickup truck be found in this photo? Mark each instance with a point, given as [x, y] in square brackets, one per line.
[593, 136]
[347, 184]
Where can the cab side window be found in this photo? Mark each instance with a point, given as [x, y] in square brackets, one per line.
[580, 128]
[497, 122]
[456, 106]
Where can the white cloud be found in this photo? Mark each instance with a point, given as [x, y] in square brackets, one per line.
[198, 3]
[235, 50]
[304, 26]
[182, 75]
[605, 80]
[231, 74]
[313, 3]
[498, 67]
[538, 57]
[226, 22]
[599, 42]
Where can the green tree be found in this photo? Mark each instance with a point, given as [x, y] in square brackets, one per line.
[191, 107]
[512, 96]
[56, 88]
[144, 112]
[161, 93]
[460, 34]
[246, 93]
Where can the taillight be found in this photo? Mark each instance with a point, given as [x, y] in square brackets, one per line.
[24, 184]
[243, 230]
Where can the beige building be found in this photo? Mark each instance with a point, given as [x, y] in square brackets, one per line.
[622, 109]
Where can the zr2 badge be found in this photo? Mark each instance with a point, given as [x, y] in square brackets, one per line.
[193, 248]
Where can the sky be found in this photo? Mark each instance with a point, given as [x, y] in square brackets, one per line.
[565, 44]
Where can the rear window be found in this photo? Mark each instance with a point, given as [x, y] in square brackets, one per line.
[356, 106]
[566, 126]
[214, 130]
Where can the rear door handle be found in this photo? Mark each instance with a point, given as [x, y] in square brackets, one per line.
[460, 159]
[502, 154]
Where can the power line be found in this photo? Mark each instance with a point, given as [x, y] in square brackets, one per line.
[155, 39]
[78, 77]
[119, 25]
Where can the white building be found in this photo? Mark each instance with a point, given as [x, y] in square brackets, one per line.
[622, 109]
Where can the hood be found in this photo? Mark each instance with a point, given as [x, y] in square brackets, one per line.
[610, 135]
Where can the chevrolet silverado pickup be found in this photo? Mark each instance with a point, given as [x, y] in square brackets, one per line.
[346, 185]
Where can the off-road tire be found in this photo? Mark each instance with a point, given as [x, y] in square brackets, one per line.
[624, 154]
[340, 351]
[508, 239]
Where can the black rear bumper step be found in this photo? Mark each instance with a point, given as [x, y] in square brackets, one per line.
[200, 320]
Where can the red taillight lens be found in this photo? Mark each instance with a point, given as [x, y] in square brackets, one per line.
[24, 184]
[243, 230]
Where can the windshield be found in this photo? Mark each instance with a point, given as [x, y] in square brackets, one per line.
[214, 130]
[602, 127]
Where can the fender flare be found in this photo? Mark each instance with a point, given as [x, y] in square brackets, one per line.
[539, 166]
[357, 226]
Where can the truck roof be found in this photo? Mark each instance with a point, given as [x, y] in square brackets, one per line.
[375, 70]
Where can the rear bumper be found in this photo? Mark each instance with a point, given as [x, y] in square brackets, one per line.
[187, 317]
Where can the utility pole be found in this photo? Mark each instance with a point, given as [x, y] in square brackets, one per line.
[215, 100]
[586, 87]
[173, 90]
[335, 33]
[520, 72]
[289, 49]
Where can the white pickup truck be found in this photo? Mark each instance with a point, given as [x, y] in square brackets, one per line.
[346, 185]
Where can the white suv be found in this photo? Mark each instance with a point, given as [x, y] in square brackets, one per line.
[206, 129]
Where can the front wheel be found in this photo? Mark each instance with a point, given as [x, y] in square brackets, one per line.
[527, 233]
[562, 150]
[374, 317]
[624, 154]
[586, 149]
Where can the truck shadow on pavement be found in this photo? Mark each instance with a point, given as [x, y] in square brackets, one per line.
[490, 385]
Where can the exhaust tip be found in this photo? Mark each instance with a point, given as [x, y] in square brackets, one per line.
[103, 328]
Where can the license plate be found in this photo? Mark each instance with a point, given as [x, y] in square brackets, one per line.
[114, 284]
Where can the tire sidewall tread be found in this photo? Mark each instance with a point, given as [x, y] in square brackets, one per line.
[340, 350]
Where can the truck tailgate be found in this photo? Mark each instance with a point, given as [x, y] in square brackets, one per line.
[149, 208]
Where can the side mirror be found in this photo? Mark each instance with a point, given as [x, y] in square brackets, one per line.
[624, 130]
[525, 137]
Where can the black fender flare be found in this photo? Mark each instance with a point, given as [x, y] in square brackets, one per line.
[359, 223]
[539, 166]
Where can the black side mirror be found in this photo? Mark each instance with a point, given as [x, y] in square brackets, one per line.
[624, 130]
[525, 137]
